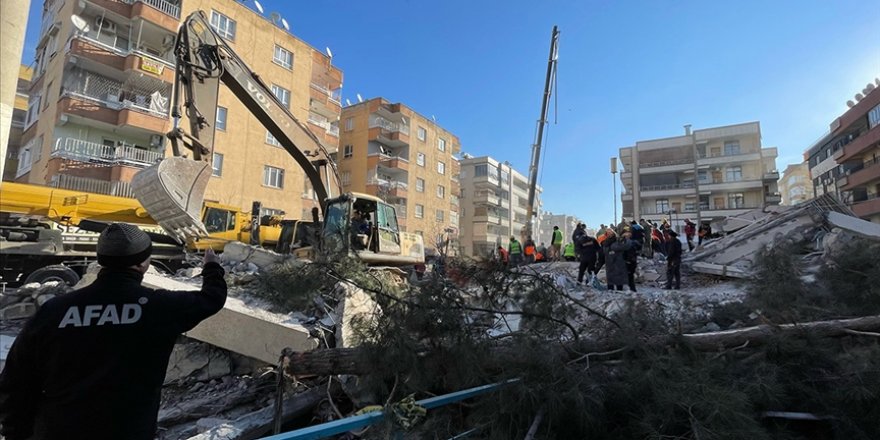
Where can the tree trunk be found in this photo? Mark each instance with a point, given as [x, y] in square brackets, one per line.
[344, 360]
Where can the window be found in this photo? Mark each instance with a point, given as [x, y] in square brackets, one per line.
[420, 211]
[282, 94]
[441, 167]
[420, 159]
[440, 215]
[734, 174]
[731, 148]
[217, 165]
[423, 134]
[441, 191]
[48, 93]
[220, 120]
[224, 25]
[271, 212]
[271, 139]
[874, 117]
[346, 177]
[32, 111]
[481, 170]
[736, 200]
[219, 220]
[283, 57]
[662, 206]
[420, 185]
[349, 124]
[273, 177]
[347, 151]
[441, 144]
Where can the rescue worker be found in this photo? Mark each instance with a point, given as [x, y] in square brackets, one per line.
[556, 244]
[529, 250]
[568, 253]
[601, 231]
[630, 255]
[590, 249]
[577, 237]
[541, 253]
[638, 235]
[515, 252]
[690, 228]
[502, 255]
[90, 364]
[615, 270]
[673, 261]
[604, 241]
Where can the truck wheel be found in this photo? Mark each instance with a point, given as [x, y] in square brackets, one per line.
[53, 273]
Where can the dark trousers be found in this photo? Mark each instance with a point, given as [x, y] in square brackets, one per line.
[615, 287]
[690, 239]
[673, 271]
[600, 263]
[588, 266]
[631, 275]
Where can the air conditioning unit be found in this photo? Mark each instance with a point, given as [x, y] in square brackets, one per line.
[157, 140]
[105, 25]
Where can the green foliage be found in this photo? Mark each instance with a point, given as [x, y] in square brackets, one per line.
[853, 278]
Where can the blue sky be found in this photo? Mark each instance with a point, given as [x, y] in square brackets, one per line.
[628, 71]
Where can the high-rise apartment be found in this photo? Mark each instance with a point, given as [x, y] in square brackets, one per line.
[19, 111]
[844, 161]
[391, 151]
[99, 101]
[795, 185]
[735, 174]
[567, 224]
[494, 199]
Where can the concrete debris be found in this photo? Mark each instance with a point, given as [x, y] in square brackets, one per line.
[809, 225]
[261, 259]
[23, 302]
[195, 361]
[357, 310]
[21, 310]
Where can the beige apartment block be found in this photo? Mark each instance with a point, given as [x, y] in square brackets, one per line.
[795, 186]
[735, 175]
[100, 100]
[391, 151]
[494, 199]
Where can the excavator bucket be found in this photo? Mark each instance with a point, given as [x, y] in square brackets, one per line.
[173, 191]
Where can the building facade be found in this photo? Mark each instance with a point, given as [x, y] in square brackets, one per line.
[735, 174]
[795, 186]
[494, 199]
[844, 160]
[567, 224]
[393, 152]
[19, 112]
[99, 100]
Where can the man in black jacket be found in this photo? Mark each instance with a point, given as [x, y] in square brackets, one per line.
[90, 364]
[590, 251]
[673, 260]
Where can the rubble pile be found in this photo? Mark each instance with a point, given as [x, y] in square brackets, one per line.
[22, 303]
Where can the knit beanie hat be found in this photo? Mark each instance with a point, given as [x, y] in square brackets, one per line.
[122, 245]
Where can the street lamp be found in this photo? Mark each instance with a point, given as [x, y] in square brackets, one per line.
[614, 183]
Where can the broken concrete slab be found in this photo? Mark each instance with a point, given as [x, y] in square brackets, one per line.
[720, 269]
[357, 310]
[20, 310]
[197, 361]
[237, 252]
[855, 225]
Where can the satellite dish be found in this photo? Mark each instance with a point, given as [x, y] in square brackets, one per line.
[259, 6]
[79, 23]
[347, 101]
[329, 54]
[275, 17]
[359, 98]
[286, 26]
[850, 104]
[433, 118]
[859, 96]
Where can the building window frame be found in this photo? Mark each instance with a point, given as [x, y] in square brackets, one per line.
[282, 94]
[441, 192]
[420, 159]
[874, 116]
[661, 206]
[440, 215]
[347, 151]
[223, 25]
[736, 201]
[273, 177]
[733, 174]
[419, 211]
[217, 165]
[441, 144]
[271, 140]
[220, 121]
[732, 148]
[420, 184]
[282, 57]
[346, 178]
[422, 133]
[349, 124]
[441, 167]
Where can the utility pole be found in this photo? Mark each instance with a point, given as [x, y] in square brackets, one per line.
[687, 130]
[536, 147]
[614, 183]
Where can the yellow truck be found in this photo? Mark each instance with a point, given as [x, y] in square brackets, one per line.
[43, 226]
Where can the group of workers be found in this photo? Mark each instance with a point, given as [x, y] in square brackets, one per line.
[615, 248]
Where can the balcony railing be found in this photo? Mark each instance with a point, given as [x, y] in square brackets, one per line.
[665, 187]
[322, 122]
[161, 5]
[114, 94]
[76, 183]
[388, 125]
[117, 50]
[335, 96]
[84, 151]
[665, 163]
[388, 184]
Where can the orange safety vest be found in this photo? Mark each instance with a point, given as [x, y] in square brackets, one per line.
[530, 250]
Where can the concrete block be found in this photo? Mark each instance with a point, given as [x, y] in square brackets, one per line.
[18, 311]
[854, 224]
[264, 259]
[197, 361]
[357, 310]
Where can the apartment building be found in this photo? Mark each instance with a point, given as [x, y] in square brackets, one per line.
[99, 100]
[494, 199]
[796, 185]
[844, 160]
[391, 151]
[735, 174]
[19, 110]
[567, 224]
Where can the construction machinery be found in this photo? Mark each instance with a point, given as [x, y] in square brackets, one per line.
[172, 191]
[41, 226]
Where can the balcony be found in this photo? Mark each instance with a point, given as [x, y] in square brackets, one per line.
[675, 189]
[387, 162]
[723, 159]
[773, 199]
[104, 59]
[666, 166]
[160, 12]
[97, 186]
[393, 134]
[731, 185]
[487, 180]
[84, 151]
[858, 145]
[387, 188]
[772, 176]
[487, 197]
[324, 101]
[866, 208]
[866, 173]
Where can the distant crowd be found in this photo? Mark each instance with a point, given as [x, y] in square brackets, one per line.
[616, 248]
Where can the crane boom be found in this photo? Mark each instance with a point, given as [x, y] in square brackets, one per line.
[539, 137]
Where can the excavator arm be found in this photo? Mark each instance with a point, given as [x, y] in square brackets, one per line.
[172, 191]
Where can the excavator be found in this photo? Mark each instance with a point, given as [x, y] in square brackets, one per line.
[172, 191]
